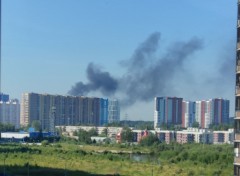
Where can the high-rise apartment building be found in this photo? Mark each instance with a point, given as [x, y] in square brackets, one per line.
[219, 111]
[113, 111]
[205, 112]
[202, 115]
[167, 111]
[188, 113]
[10, 112]
[104, 111]
[69, 110]
[237, 103]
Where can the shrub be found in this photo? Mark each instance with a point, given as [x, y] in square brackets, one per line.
[217, 172]
[44, 142]
[110, 157]
[58, 145]
[191, 173]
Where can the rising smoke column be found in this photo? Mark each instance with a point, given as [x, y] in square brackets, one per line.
[98, 80]
[146, 74]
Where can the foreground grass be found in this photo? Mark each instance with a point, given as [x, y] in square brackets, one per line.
[83, 160]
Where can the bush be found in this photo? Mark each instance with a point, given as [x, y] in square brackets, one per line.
[45, 143]
[191, 173]
[110, 157]
[58, 145]
[217, 172]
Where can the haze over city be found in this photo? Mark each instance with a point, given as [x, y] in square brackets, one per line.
[130, 50]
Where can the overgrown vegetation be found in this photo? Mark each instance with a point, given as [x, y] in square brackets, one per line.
[84, 137]
[149, 140]
[221, 127]
[75, 159]
[126, 135]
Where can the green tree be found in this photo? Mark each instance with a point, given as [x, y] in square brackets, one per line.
[195, 125]
[126, 135]
[114, 124]
[105, 132]
[164, 126]
[6, 127]
[149, 140]
[83, 136]
[45, 143]
[36, 125]
[220, 127]
[92, 132]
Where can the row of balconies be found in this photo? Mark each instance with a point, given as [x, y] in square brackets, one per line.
[238, 91]
[237, 115]
[237, 136]
[237, 160]
[238, 69]
[238, 46]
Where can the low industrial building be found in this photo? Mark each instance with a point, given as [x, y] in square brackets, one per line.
[22, 136]
[98, 139]
[14, 136]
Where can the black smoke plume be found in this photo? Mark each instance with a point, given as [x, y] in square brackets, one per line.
[98, 80]
[147, 75]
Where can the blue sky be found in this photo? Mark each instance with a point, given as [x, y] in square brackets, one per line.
[47, 45]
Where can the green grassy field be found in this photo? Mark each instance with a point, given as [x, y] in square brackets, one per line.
[74, 160]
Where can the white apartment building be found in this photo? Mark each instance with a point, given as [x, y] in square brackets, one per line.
[207, 113]
[24, 114]
[220, 137]
[113, 111]
[10, 112]
[194, 135]
[112, 131]
[203, 113]
[185, 115]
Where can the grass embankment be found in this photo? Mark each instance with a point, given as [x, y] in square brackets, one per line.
[174, 159]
